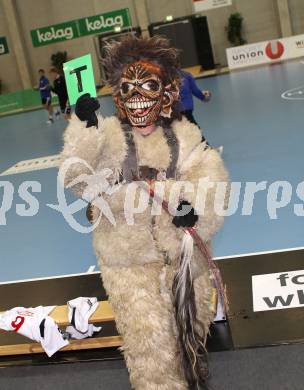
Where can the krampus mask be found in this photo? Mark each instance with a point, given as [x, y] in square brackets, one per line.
[143, 75]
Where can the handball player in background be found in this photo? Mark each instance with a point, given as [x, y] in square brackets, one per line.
[60, 89]
[45, 94]
[188, 89]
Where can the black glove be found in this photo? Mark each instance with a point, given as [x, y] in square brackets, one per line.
[188, 220]
[85, 109]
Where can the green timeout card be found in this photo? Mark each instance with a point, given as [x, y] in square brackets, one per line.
[79, 77]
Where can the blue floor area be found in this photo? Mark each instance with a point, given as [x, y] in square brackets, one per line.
[26, 136]
[263, 138]
[43, 244]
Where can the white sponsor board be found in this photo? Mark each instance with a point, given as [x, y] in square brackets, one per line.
[282, 290]
[203, 5]
[265, 52]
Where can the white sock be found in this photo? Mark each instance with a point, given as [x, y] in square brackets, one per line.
[79, 312]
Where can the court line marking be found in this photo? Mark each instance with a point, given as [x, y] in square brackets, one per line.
[294, 91]
[294, 94]
[34, 164]
[98, 272]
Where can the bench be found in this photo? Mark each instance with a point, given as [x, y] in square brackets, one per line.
[57, 291]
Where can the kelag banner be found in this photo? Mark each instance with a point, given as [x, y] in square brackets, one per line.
[3, 46]
[81, 27]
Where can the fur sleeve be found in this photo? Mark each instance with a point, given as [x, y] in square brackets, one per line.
[204, 169]
[82, 143]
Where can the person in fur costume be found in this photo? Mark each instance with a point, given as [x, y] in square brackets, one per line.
[159, 290]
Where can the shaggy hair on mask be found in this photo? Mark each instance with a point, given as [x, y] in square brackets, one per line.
[131, 49]
[158, 50]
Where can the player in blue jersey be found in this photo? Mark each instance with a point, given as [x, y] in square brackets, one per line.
[45, 93]
[188, 89]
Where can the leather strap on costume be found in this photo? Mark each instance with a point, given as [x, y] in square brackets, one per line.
[130, 168]
[130, 164]
[174, 151]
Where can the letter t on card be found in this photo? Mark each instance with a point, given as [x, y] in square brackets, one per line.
[79, 77]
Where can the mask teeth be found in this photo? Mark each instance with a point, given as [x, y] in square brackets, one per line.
[140, 104]
[139, 120]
